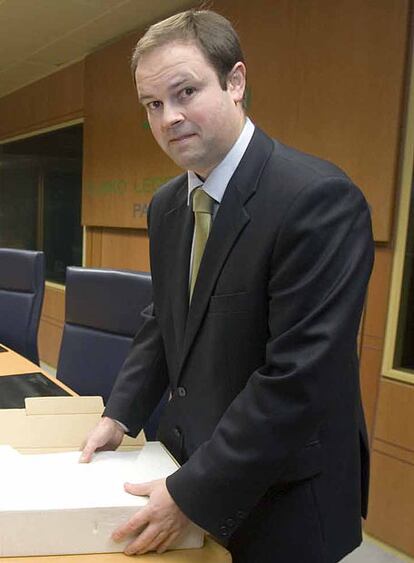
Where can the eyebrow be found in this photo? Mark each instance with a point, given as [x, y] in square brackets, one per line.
[143, 98]
[173, 86]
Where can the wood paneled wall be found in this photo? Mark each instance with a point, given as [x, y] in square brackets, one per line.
[122, 163]
[118, 248]
[391, 511]
[328, 78]
[47, 102]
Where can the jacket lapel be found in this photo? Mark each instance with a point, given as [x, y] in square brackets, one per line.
[178, 228]
[231, 219]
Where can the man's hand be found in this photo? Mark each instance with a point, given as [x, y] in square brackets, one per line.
[157, 525]
[107, 435]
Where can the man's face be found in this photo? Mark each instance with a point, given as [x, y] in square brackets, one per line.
[192, 118]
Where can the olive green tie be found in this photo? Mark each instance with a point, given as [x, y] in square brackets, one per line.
[203, 211]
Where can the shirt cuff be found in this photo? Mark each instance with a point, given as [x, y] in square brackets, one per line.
[122, 425]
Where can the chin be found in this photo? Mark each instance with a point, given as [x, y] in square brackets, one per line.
[188, 161]
[185, 163]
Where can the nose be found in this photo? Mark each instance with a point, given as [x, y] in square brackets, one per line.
[172, 116]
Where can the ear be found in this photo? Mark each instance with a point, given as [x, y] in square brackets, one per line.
[236, 82]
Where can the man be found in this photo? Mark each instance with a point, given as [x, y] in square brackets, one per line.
[258, 290]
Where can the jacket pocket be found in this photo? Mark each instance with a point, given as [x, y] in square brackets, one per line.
[305, 464]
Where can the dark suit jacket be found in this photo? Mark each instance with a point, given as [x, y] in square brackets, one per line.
[265, 414]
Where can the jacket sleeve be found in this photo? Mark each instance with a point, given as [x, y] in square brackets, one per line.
[143, 378]
[318, 273]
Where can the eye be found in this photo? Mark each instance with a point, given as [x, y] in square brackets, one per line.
[154, 105]
[187, 92]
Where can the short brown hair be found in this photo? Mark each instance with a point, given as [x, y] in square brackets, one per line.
[211, 32]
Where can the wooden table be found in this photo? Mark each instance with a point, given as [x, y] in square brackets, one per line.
[212, 552]
[12, 363]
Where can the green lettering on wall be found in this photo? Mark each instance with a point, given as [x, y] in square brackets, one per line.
[150, 184]
[139, 210]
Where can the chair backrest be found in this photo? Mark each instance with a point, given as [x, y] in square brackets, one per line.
[102, 316]
[22, 285]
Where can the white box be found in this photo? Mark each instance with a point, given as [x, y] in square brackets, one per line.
[33, 518]
[50, 504]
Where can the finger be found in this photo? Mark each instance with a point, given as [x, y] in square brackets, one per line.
[133, 526]
[87, 453]
[158, 540]
[168, 542]
[140, 489]
[146, 538]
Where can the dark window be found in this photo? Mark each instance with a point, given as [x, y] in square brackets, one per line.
[404, 350]
[40, 197]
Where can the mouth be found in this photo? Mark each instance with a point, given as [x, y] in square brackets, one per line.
[181, 138]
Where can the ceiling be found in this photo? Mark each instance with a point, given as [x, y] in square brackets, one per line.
[38, 37]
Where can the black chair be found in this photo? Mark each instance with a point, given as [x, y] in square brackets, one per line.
[102, 317]
[22, 286]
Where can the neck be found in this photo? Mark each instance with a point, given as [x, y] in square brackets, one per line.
[203, 174]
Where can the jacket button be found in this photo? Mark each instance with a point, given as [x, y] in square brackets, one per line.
[224, 531]
[240, 514]
[230, 522]
[177, 431]
[182, 392]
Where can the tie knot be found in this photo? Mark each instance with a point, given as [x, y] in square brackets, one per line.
[202, 202]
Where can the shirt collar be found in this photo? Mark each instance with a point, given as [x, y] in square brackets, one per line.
[216, 183]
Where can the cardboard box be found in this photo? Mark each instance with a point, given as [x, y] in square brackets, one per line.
[49, 424]
[50, 504]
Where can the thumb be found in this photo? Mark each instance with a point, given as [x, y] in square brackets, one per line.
[139, 489]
